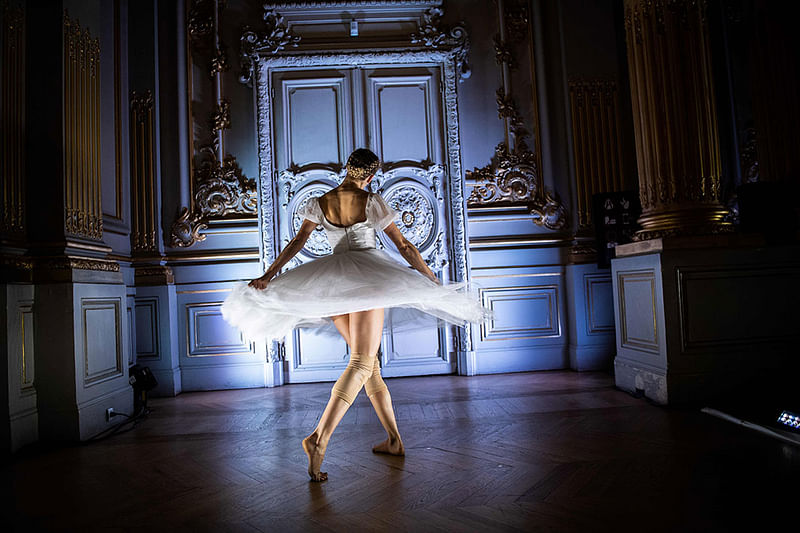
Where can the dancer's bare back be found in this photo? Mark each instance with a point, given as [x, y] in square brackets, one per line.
[344, 206]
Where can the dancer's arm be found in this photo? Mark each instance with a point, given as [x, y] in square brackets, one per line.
[294, 246]
[409, 252]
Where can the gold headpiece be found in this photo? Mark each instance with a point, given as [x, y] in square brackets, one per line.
[359, 173]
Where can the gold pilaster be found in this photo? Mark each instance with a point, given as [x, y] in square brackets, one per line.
[596, 142]
[143, 177]
[674, 115]
[12, 122]
[82, 201]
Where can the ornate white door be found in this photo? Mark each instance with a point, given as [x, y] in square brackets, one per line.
[320, 116]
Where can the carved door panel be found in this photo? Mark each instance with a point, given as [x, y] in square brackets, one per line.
[313, 136]
[405, 130]
[319, 118]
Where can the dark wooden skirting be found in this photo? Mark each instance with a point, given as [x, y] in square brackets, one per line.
[546, 451]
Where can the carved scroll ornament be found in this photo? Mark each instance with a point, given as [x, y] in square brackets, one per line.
[432, 35]
[219, 187]
[275, 38]
[222, 190]
[512, 178]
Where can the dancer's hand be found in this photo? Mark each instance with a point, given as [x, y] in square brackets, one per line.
[259, 283]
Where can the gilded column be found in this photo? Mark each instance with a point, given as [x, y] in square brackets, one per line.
[675, 124]
[12, 122]
[596, 142]
[143, 176]
[82, 210]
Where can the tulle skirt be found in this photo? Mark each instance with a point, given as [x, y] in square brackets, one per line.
[356, 280]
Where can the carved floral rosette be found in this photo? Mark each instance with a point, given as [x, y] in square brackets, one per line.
[295, 189]
[418, 195]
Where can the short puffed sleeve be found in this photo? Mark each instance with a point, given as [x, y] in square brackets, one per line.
[379, 213]
[311, 210]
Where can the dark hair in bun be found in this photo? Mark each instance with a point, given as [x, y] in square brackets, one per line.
[362, 164]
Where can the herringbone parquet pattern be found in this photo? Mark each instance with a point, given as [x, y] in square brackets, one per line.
[547, 451]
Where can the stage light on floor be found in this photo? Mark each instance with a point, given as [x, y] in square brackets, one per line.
[789, 419]
[142, 380]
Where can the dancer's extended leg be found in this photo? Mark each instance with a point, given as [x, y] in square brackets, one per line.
[379, 396]
[365, 337]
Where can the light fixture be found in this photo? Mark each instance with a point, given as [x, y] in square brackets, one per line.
[789, 419]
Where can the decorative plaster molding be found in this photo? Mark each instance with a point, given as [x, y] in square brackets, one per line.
[512, 178]
[432, 35]
[218, 183]
[749, 157]
[16, 262]
[222, 190]
[502, 53]
[275, 38]
[200, 21]
[262, 65]
[221, 117]
[515, 21]
[76, 263]
[186, 228]
[219, 63]
[154, 275]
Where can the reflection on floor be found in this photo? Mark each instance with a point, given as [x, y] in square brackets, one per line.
[542, 451]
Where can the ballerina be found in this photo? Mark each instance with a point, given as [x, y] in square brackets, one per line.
[350, 288]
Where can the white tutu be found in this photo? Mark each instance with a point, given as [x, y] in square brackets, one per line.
[356, 277]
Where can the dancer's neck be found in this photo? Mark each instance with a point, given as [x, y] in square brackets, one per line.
[351, 184]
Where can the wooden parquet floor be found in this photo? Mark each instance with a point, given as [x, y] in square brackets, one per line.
[542, 451]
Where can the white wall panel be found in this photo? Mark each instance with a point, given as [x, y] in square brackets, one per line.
[213, 355]
[638, 312]
[522, 312]
[101, 344]
[146, 323]
[313, 118]
[528, 330]
[599, 306]
[17, 332]
[208, 335]
[405, 124]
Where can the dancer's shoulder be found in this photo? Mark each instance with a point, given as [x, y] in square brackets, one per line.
[311, 210]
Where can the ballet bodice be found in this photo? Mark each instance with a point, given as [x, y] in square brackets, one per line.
[358, 236]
